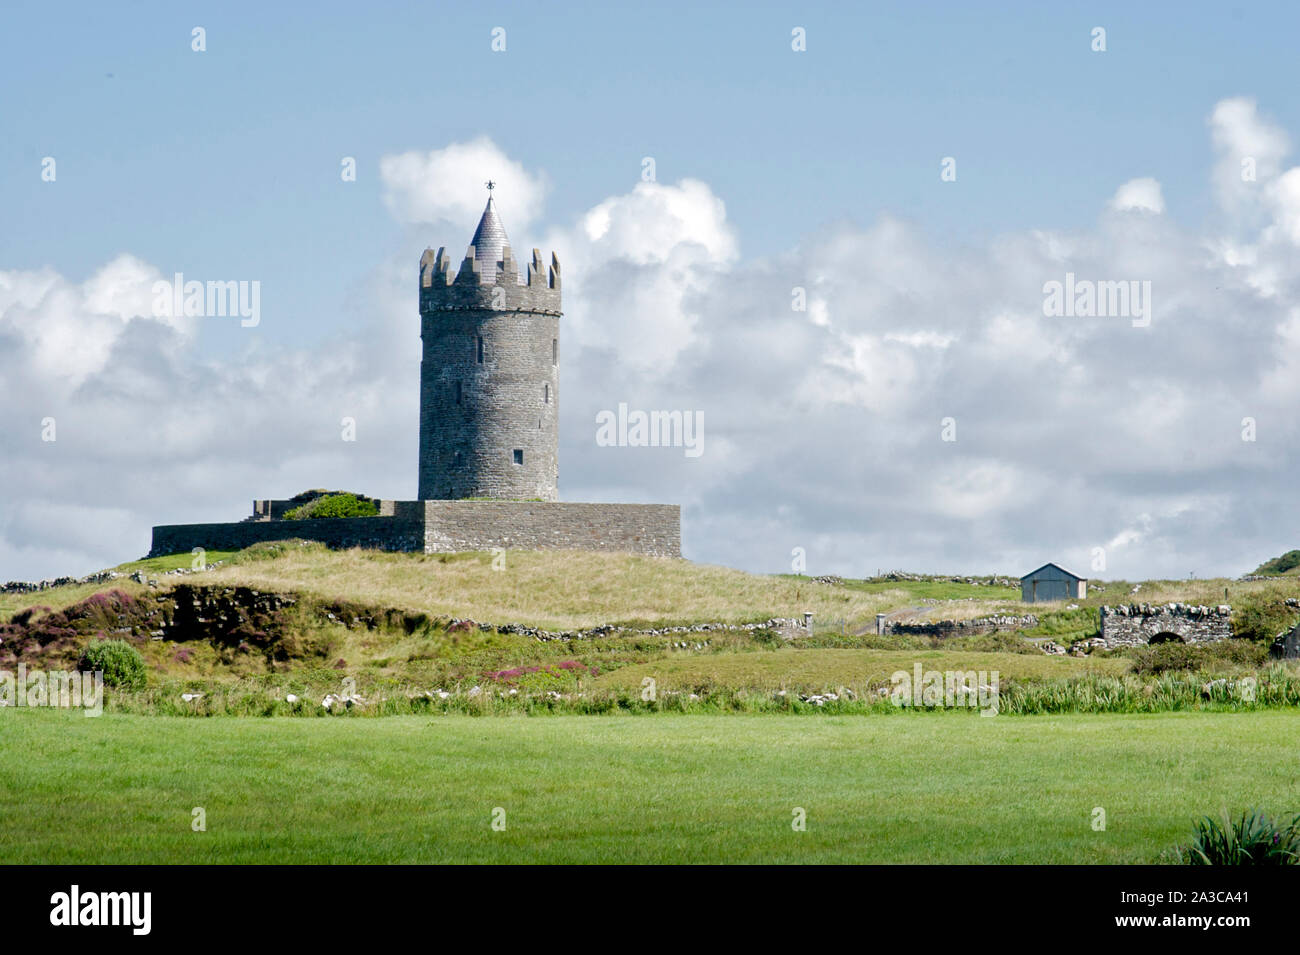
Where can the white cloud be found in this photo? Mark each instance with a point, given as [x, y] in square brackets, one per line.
[1141, 195]
[822, 429]
[69, 330]
[1248, 145]
[648, 224]
[446, 186]
[634, 265]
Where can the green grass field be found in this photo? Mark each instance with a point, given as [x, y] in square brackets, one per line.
[913, 788]
[820, 669]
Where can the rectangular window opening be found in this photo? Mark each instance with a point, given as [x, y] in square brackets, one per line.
[519, 455]
[480, 349]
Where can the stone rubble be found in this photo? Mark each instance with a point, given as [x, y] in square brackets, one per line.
[780, 624]
[950, 628]
[102, 577]
[895, 575]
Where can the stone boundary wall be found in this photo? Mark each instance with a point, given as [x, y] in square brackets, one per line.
[991, 580]
[653, 529]
[36, 586]
[788, 627]
[962, 628]
[376, 533]
[1134, 625]
[436, 527]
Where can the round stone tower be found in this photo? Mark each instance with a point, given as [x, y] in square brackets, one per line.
[489, 378]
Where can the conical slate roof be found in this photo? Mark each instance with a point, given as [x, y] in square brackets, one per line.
[489, 240]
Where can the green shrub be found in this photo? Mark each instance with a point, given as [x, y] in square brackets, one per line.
[1254, 839]
[1175, 656]
[1262, 621]
[1067, 626]
[120, 663]
[334, 505]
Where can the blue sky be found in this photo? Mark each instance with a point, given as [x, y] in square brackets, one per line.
[230, 157]
[775, 169]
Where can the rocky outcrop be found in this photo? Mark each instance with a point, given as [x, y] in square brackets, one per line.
[1286, 646]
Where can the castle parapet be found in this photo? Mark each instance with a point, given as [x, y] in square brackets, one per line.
[442, 290]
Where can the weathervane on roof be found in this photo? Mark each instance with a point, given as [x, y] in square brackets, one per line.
[491, 184]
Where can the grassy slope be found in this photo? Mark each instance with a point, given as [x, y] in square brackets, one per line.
[938, 788]
[553, 589]
[571, 589]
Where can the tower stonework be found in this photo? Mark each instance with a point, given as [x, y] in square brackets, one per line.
[489, 376]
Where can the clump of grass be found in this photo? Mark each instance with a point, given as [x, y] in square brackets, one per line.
[996, 641]
[1131, 694]
[1066, 626]
[333, 505]
[1262, 620]
[1251, 839]
[1174, 657]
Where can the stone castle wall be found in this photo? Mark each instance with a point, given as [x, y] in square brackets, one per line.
[1137, 624]
[377, 533]
[634, 528]
[434, 527]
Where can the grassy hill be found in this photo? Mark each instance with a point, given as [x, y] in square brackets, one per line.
[1288, 563]
[387, 622]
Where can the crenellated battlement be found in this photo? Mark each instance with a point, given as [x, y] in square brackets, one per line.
[488, 277]
[442, 289]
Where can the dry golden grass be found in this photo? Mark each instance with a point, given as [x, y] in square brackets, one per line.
[551, 589]
[968, 610]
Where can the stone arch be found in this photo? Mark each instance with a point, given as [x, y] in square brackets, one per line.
[1166, 636]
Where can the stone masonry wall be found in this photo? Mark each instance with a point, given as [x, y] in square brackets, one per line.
[378, 533]
[446, 526]
[1136, 624]
[962, 628]
[654, 529]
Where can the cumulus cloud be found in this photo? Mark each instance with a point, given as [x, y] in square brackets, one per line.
[638, 263]
[824, 424]
[67, 330]
[1250, 152]
[445, 186]
[114, 420]
[1141, 195]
